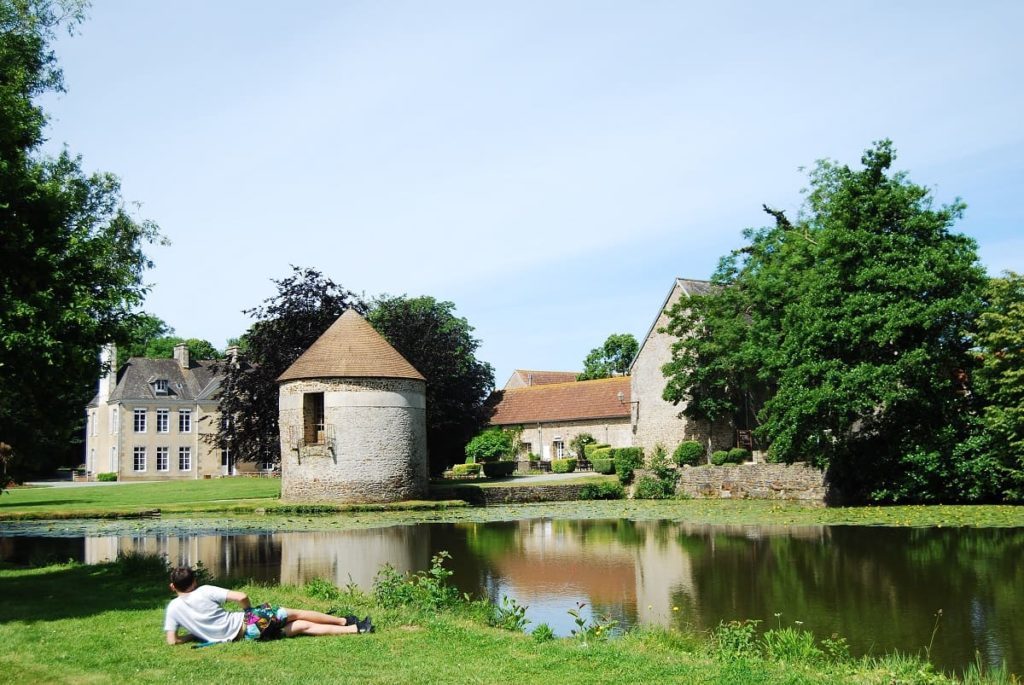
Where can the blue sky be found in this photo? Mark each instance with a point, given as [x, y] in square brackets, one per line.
[549, 167]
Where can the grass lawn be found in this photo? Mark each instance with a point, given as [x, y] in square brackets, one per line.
[103, 624]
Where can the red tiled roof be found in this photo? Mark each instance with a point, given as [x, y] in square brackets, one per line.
[563, 402]
[528, 378]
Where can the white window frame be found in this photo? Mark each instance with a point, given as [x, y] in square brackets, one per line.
[267, 465]
[139, 459]
[139, 420]
[114, 426]
[161, 387]
[163, 459]
[559, 448]
[163, 420]
[184, 420]
[184, 458]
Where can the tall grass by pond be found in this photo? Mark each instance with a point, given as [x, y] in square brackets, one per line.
[100, 624]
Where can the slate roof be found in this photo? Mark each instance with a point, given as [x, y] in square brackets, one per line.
[576, 401]
[689, 287]
[526, 377]
[350, 348]
[135, 380]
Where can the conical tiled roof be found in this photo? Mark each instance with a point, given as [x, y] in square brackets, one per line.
[350, 348]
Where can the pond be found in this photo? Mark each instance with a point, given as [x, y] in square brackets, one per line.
[880, 588]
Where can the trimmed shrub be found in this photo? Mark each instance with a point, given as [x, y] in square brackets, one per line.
[499, 469]
[589, 450]
[563, 465]
[626, 460]
[690, 452]
[719, 457]
[106, 477]
[605, 466]
[649, 487]
[465, 470]
[738, 455]
[611, 490]
[601, 453]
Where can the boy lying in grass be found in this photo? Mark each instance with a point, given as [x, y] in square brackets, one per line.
[200, 611]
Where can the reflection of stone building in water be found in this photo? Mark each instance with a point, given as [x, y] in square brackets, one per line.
[352, 556]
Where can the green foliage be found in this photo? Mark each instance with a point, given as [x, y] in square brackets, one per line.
[509, 615]
[598, 628]
[425, 590]
[563, 465]
[499, 469]
[71, 251]
[305, 306]
[543, 633]
[321, 588]
[739, 455]
[578, 445]
[611, 359]
[590, 450]
[690, 452]
[792, 645]
[608, 490]
[627, 459]
[464, 470]
[735, 638]
[839, 335]
[652, 487]
[441, 346]
[720, 457]
[604, 466]
[493, 444]
[146, 565]
[1000, 377]
[108, 477]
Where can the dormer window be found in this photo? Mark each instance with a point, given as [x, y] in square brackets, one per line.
[160, 386]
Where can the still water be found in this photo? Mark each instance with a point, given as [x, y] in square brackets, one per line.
[881, 588]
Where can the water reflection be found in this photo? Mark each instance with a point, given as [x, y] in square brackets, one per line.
[878, 587]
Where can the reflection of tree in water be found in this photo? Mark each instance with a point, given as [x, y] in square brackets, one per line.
[878, 587]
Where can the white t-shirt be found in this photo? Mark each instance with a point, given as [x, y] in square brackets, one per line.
[201, 613]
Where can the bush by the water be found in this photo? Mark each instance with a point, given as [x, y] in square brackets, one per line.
[603, 465]
[651, 487]
[499, 469]
[465, 470]
[106, 477]
[563, 465]
[689, 452]
[609, 490]
[627, 460]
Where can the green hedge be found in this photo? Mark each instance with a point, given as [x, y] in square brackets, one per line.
[603, 465]
[738, 455]
[589, 450]
[563, 465]
[689, 452]
[719, 457]
[649, 487]
[626, 460]
[499, 469]
[463, 470]
[610, 490]
[106, 477]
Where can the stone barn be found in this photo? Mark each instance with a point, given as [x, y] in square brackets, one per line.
[352, 416]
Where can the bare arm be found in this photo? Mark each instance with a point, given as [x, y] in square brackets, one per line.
[240, 597]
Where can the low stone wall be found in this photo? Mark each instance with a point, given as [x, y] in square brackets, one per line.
[754, 481]
[518, 494]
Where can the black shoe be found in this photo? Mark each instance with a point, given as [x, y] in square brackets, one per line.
[351, 620]
[365, 626]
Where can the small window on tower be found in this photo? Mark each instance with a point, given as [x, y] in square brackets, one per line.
[313, 418]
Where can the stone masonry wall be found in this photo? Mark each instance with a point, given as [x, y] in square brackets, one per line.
[754, 481]
[376, 446]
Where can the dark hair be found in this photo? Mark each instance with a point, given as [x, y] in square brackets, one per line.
[182, 578]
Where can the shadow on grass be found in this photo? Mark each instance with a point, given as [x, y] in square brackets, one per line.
[78, 591]
[47, 503]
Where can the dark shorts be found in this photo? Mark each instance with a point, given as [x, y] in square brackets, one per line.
[264, 622]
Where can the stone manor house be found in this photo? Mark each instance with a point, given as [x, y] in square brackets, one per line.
[552, 407]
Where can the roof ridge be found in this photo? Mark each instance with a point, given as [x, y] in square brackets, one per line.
[565, 384]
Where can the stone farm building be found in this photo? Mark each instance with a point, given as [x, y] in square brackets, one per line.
[552, 408]
[151, 420]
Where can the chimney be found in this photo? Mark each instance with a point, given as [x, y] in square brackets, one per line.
[108, 371]
[232, 354]
[181, 355]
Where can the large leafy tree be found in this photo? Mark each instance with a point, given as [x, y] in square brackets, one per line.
[442, 348]
[305, 306]
[1000, 378]
[611, 359]
[71, 254]
[846, 331]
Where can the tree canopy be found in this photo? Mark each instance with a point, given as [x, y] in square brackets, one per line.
[441, 346]
[306, 304]
[151, 337]
[842, 335]
[611, 359]
[72, 254]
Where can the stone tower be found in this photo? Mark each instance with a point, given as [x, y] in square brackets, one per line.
[352, 414]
